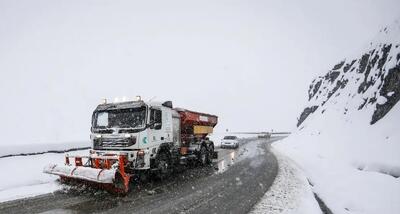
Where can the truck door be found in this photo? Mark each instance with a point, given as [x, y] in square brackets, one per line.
[156, 134]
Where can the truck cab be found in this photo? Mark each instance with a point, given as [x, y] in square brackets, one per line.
[135, 128]
[146, 131]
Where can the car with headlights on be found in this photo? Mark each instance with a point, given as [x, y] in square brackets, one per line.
[230, 142]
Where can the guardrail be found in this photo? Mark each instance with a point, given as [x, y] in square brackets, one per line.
[272, 133]
[45, 152]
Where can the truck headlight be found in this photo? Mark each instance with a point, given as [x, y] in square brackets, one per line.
[98, 136]
[128, 135]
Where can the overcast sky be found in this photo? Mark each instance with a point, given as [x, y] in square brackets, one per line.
[249, 62]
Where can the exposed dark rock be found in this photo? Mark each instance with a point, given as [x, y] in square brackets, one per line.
[372, 100]
[391, 84]
[368, 82]
[307, 111]
[372, 61]
[363, 104]
[385, 53]
[363, 63]
[338, 66]
[339, 84]
[332, 76]
[342, 83]
[348, 66]
[314, 89]
[362, 87]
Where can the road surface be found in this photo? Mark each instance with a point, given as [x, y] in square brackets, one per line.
[233, 184]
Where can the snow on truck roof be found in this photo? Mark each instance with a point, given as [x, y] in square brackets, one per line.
[126, 104]
[120, 105]
[139, 103]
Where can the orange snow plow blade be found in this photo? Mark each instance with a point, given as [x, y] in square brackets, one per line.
[114, 180]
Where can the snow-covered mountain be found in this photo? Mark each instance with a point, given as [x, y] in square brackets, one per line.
[348, 136]
[368, 81]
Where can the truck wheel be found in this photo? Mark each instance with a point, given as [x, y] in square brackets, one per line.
[211, 149]
[163, 165]
[203, 156]
[210, 153]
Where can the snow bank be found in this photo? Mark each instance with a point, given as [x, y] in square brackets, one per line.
[348, 141]
[23, 176]
[290, 192]
[352, 165]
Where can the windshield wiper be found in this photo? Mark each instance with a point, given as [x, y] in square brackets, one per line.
[129, 128]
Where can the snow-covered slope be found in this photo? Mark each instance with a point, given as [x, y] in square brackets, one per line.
[348, 137]
[23, 176]
[35, 149]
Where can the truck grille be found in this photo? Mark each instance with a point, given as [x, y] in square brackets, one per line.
[104, 131]
[117, 143]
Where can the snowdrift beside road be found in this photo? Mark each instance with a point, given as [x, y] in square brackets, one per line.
[23, 176]
[348, 138]
[33, 149]
[290, 192]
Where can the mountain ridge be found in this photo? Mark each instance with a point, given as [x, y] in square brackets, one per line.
[372, 78]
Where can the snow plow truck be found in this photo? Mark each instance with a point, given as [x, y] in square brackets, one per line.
[137, 138]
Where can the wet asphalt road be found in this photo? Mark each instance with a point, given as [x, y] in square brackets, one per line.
[234, 184]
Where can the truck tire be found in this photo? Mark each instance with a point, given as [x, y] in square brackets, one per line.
[210, 153]
[163, 165]
[203, 156]
[211, 148]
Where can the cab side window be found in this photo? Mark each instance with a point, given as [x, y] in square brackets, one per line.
[156, 118]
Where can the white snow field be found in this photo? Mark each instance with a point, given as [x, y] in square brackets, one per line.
[349, 152]
[22, 176]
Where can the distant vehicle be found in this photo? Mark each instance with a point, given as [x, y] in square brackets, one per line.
[264, 135]
[230, 142]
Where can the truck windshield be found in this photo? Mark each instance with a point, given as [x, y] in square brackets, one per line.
[121, 118]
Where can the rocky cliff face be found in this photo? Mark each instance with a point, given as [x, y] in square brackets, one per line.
[369, 81]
